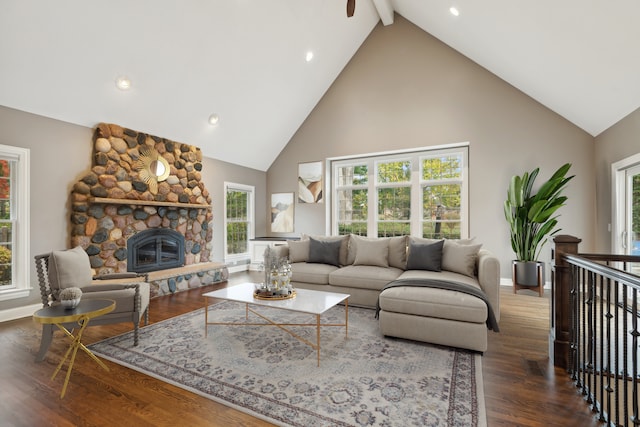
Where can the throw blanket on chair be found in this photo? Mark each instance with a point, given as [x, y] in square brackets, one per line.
[492, 324]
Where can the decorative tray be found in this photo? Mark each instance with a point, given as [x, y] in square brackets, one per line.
[268, 295]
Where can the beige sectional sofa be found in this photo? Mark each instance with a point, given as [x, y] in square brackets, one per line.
[418, 305]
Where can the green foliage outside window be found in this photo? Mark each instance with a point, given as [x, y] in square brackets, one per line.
[353, 202]
[353, 205]
[444, 167]
[6, 227]
[390, 229]
[237, 238]
[441, 211]
[441, 180]
[398, 171]
[441, 203]
[394, 203]
[353, 175]
[237, 222]
[5, 189]
[5, 266]
[359, 228]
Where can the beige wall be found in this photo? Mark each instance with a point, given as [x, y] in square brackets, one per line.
[217, 172]
[620, 141]
[52, 176]
[406, 89]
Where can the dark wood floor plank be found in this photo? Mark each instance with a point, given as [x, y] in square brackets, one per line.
[521, 387]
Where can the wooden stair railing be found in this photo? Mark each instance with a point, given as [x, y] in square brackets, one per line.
[595, 328]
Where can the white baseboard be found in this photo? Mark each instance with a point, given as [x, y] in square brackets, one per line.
[238, 268]
[504, 281]
[19, 312]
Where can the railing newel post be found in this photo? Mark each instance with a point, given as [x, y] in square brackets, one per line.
[561, 304]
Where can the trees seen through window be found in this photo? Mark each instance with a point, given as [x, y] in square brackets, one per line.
[420, 194]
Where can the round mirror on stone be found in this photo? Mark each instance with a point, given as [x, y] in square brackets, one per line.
[152, 168]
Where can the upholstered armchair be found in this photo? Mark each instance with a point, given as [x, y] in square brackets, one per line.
[71, 268]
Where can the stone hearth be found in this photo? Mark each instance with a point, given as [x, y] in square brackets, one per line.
[113, 201]
[165, 282]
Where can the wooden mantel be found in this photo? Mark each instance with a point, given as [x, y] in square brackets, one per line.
[106, 200]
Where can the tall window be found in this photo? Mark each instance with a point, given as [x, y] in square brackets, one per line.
[7, 220]
[352, 198]
[14, 222]
[626, 209]
[239, 223]
[393, 191]
[441, 183]
[422, 193]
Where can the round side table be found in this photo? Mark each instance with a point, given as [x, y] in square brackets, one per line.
[82, 314]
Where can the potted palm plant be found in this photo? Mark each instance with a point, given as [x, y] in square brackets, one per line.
[532, 219]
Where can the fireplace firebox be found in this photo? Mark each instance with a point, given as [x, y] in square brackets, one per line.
[155, 249]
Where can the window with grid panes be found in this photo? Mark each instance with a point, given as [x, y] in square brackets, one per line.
[422, 193]
[14, 222]
[352, 198]
[238, 218]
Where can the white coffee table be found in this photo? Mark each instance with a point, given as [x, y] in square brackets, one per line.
[306, 301]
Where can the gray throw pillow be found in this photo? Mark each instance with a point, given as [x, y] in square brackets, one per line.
[344, 245]
[324, 251]
[425, 256]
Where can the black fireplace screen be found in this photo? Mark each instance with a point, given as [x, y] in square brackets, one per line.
[155, 249]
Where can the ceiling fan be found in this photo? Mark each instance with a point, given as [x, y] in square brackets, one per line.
[351, 7]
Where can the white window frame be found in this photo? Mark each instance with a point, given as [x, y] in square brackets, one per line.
[21, 283]
[416, 155]
[250, 189]
[618, 207]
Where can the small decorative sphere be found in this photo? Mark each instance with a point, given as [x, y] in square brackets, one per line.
[70, 297]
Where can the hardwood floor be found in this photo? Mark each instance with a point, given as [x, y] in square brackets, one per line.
[521, 387]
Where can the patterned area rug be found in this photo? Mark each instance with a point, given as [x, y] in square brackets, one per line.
[363, 380]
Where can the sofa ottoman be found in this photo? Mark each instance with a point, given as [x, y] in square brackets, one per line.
[434, 315]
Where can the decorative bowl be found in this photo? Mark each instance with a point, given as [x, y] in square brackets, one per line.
[70, 303]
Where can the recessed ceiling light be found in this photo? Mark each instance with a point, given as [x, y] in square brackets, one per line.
[123, 83]
[309, 56]
[454, 11]
[213, 119]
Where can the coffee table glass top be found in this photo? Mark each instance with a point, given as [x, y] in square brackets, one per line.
[306, 300]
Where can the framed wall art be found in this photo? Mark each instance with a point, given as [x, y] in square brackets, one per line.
[310, 182]
[282, 206]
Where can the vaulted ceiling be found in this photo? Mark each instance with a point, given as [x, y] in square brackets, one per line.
[246, 60]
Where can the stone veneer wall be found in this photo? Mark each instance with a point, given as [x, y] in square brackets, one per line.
[103, 228]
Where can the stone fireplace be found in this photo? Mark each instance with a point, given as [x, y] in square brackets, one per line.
[116, 200]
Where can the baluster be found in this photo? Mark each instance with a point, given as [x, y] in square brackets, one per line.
[601, 365]
[634, 358]
[610, 372]
[616, 371]
[625, 361]
[583, 335]
[591, 351]
[575, 329]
